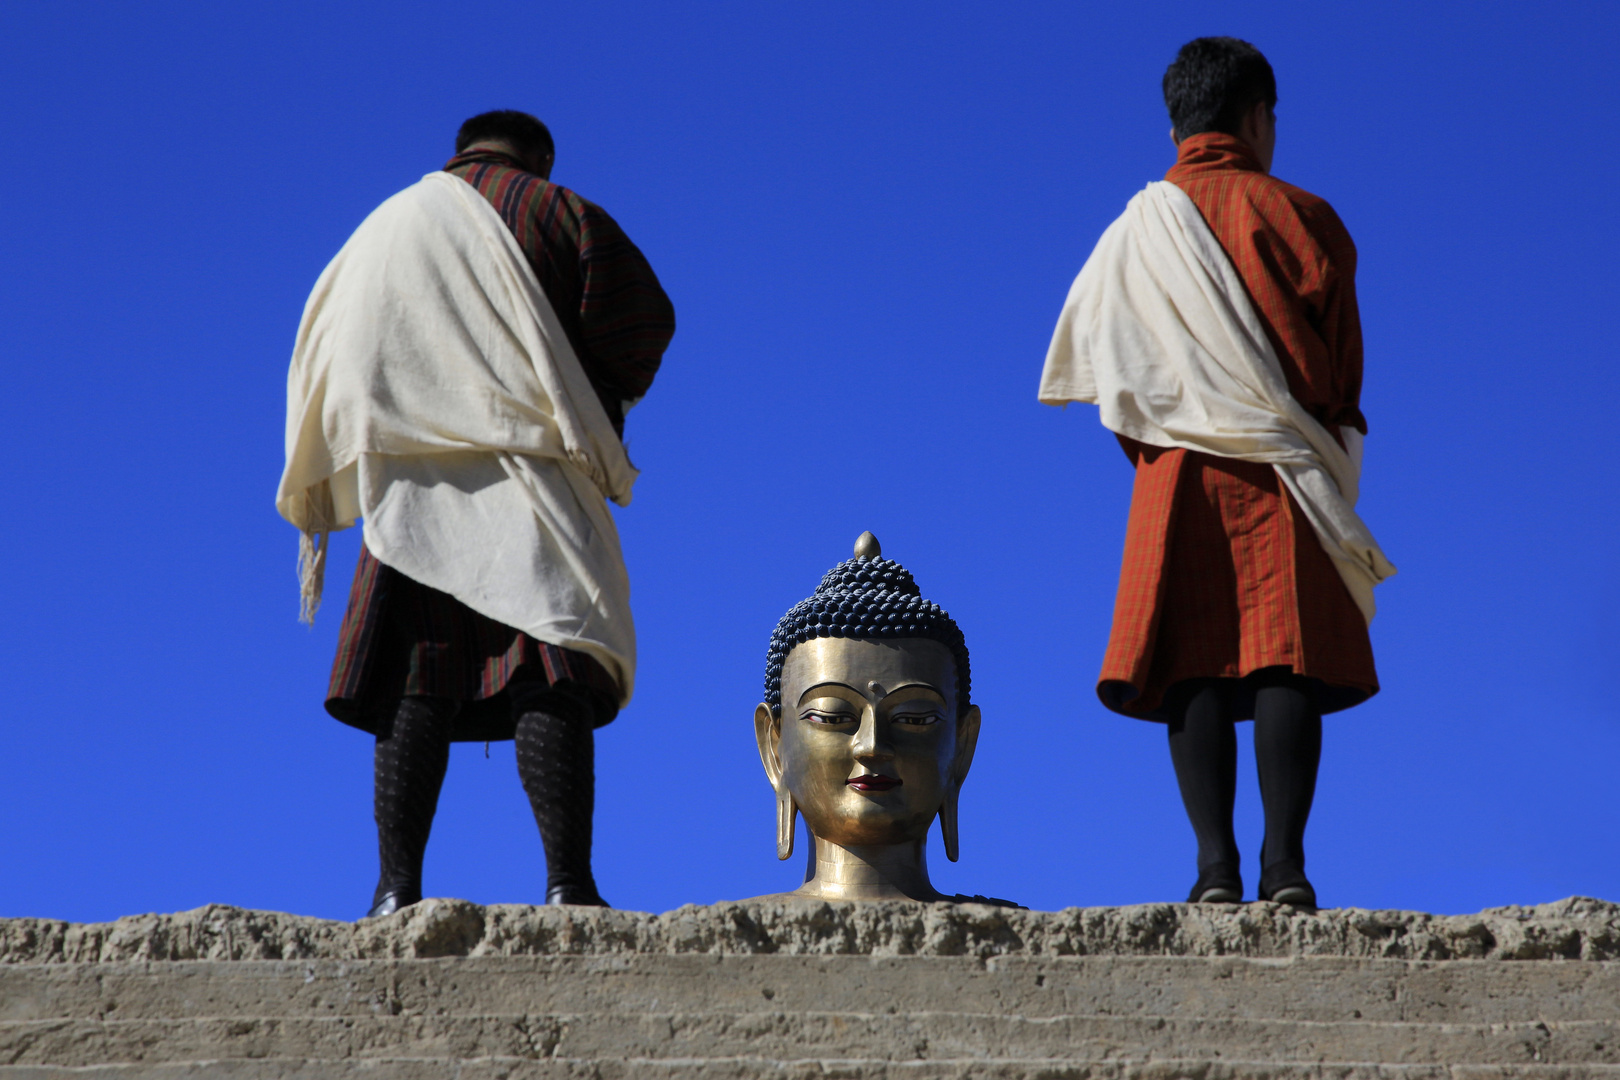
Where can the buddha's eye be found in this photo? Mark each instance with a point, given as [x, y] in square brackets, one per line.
[829, 710]
[918, 719]
[818, 717]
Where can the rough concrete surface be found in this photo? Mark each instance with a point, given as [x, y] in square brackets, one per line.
[1578, 928]
[773, 989]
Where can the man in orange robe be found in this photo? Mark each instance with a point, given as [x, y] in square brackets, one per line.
[1228, 607]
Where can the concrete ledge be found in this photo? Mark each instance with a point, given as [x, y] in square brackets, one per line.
[1306, 990]
[750, 1068]
[451, 990]
[1578, 928]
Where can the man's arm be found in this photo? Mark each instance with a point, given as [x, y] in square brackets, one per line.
[625, 317]
[1335, 314]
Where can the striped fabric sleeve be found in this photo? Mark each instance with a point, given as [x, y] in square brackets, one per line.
[616, 314]
[1298, 263]
[625, 316]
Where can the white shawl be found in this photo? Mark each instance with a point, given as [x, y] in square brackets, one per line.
[434, 394]
[1159, 333]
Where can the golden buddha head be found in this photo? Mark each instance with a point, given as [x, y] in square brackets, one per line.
[867, 728]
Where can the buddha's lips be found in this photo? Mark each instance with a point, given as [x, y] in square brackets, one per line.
[874, 782]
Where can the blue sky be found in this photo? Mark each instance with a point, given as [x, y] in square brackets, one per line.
[868, 217]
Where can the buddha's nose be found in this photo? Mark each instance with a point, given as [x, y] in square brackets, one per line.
[870, 743]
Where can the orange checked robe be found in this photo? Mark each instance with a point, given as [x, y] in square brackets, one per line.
[1223, 574]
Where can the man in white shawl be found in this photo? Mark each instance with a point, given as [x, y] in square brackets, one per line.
[1215, 326]
[459, 384]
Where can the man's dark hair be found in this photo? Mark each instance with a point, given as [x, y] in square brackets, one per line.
[526, 134]
[1213, 83]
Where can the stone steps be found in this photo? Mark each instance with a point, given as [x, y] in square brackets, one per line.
[1323, 989]
[1163, 992]
[912, 1037]
[754, 1068]
[702, 1016]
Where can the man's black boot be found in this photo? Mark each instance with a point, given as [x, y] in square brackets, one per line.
[582, 895]
[413, 751]
[1286, 883]
[388, 901]
[1217, 884]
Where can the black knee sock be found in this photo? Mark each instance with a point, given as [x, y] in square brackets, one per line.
[1287, 749]
[413, 751]
[1203, 748]
[556, 758]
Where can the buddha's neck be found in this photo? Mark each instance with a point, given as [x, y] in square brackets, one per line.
[871, 872]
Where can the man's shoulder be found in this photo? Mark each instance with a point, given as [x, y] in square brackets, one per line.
[1291, 209]
[1262, 190]
[1249, 186]
[1311, 209]
[580, 204]
[555, 195]
[483, 174]
[538, 196]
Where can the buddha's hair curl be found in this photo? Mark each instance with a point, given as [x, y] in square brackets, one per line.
[870, 599]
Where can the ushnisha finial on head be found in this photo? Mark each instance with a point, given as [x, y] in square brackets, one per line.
[867, 729]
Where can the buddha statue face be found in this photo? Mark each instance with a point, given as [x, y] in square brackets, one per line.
[868, 741]
[870, 744]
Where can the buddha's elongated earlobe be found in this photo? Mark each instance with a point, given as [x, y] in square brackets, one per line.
[947, 820]
[967, 741]
[768, 732]
[787, 816]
